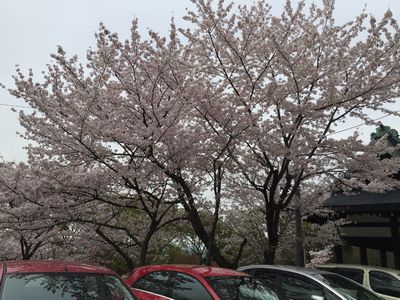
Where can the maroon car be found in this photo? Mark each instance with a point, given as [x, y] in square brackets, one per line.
[55, 280]
[183, 282]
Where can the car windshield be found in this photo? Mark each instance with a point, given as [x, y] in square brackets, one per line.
[346, 287]
[64, 286]
[237, 288]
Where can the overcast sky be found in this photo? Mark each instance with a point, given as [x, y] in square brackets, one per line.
[31, 30]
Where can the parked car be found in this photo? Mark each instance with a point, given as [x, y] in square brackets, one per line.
[307, 284]
[383, 281]
[184, 282]
[55, 280]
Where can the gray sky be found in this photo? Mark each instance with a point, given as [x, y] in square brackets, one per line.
[31, 29]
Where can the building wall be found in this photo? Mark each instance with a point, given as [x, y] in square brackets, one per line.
[372, 239]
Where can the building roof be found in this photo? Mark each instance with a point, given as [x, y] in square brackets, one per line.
[366, 202]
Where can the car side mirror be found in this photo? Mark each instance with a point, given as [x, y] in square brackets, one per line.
[315, 297]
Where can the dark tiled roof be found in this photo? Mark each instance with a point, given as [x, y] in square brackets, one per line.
[365, 202]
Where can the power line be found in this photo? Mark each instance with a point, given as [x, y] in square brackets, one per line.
[12, 105]
[362, 124]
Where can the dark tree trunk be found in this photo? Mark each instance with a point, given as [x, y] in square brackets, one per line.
[28, 250]
[198, 227]
[272, 221]
[188, 202]
[269, 254]
[129, 262]
[144, 245]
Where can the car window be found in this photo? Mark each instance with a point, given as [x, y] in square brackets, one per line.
[384, 283]
[353, 274]
[298, 287]
[156, 282]
[346, 287]
[64, 286]
[242, 288]
[186, 287]
[268, 278]
[329, 295]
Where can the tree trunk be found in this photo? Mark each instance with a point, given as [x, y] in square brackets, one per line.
[129, 262]
[269, 254]
[300, 261]
[194, 218]
[272, 221]
[144, 245]
[202, 234]
[188, 202]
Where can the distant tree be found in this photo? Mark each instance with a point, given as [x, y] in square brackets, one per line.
[392, 137]
[26, 229]
[47, 215]
[239, 110]
[385, 141]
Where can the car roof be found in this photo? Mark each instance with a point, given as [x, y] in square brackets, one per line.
[205, 271]
[50, 266]
[293, 269]
[359, 267]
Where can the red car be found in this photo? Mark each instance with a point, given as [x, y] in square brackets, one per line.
[193, 282]
[55, 280]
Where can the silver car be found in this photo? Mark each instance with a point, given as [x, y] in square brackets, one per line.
[308, 284]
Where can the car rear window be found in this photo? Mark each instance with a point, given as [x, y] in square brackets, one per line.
[156, 282]
[64, 286]
[346, 287]
[385, 284]
[354, 274]
[237, 287]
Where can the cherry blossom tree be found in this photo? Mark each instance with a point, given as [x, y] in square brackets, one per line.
[145, 87]
[126, 219]
[239, 108]
[287, 82]
[60, 214]
[27, 230]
